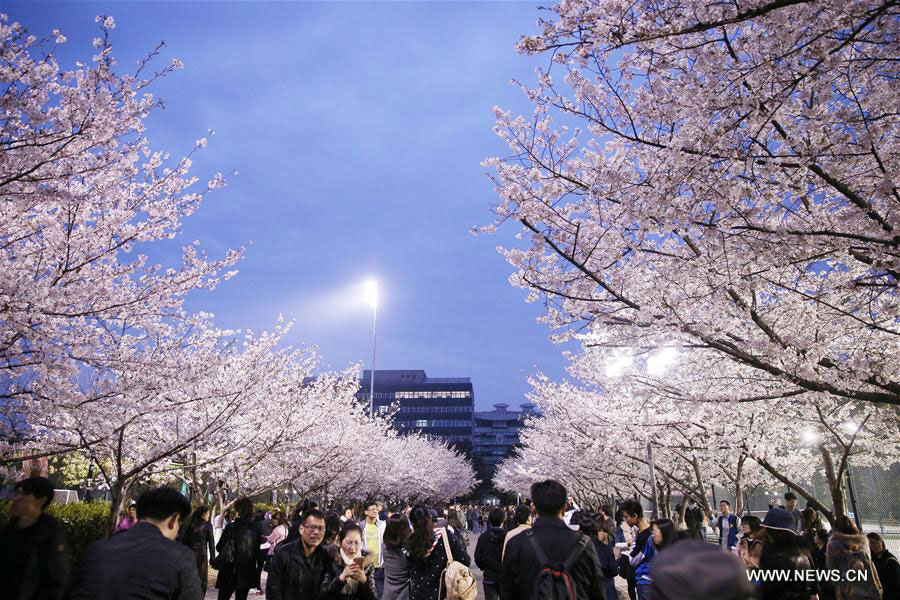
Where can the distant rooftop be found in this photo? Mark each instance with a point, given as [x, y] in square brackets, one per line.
[501, 412]
[409, 376]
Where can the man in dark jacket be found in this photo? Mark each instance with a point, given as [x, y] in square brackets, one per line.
[297, 568]
[239, 574]
[521, 566]
[886, 565]
[263, 527]
[144, 561]
[488, 553]
[34, 556]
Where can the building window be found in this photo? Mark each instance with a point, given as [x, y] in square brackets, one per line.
[422, 423]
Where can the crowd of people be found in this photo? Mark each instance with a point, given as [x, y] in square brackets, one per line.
[545, 548]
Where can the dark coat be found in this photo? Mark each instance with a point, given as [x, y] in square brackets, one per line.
[138, 563]
[889, 573]
[425, 571]
[242, 573]
[333, 587]
[201, 540]
[34, 561]
[521, 567]
[608, 566]
[295, 576]
[488, 553]
[693, 520]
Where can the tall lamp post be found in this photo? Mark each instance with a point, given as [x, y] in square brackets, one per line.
[372, 298]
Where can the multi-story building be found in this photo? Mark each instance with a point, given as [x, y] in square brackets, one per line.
[437, 406]
[496, 434]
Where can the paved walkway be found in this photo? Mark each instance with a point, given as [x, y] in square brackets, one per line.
[212, 593]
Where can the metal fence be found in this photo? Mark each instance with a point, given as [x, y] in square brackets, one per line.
[875, 496]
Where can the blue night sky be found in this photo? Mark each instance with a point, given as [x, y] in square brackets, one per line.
[358, 130]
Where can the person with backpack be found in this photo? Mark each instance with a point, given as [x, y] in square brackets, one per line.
[549, 560]
[848, 550]
[428, 557]
[488, 553]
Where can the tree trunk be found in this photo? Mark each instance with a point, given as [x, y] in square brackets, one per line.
[704, 499]
[738, 488]
[119, 492]
[835, 484]
[811, 500]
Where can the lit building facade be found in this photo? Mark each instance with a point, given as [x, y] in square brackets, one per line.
[496, 433]
[437, 406]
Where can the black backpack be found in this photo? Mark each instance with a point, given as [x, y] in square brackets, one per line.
[554, 582]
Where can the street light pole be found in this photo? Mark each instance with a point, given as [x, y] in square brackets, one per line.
[372, 378]
[853, 498]
[372, 296]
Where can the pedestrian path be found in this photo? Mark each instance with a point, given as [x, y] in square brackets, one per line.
[472, 538]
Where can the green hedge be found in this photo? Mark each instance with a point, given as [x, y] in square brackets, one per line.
[84, 523]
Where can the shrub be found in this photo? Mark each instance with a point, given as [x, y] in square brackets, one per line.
[84, 523]
[264, 507]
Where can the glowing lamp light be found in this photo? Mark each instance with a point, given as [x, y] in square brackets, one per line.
[618, 364]
[371, 292]
[658, 363]
[810, 437]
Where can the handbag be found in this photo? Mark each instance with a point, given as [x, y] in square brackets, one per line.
[225, 551]
[457, 579]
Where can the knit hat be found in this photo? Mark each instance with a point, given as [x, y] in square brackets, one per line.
[692, 569]
[779, 518]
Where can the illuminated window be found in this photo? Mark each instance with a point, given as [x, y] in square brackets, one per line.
[422, 423]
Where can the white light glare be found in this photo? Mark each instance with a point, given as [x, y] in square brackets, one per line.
[658, 363]
[617, 364]
[851, 427]
[810, 437]
[371, 292]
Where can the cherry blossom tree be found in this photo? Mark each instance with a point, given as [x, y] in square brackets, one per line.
[594, 437]
[98, 357]
[724, 175]
[82, 190]
[721, 179]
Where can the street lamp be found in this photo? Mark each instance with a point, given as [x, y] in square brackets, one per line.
[371, 294]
